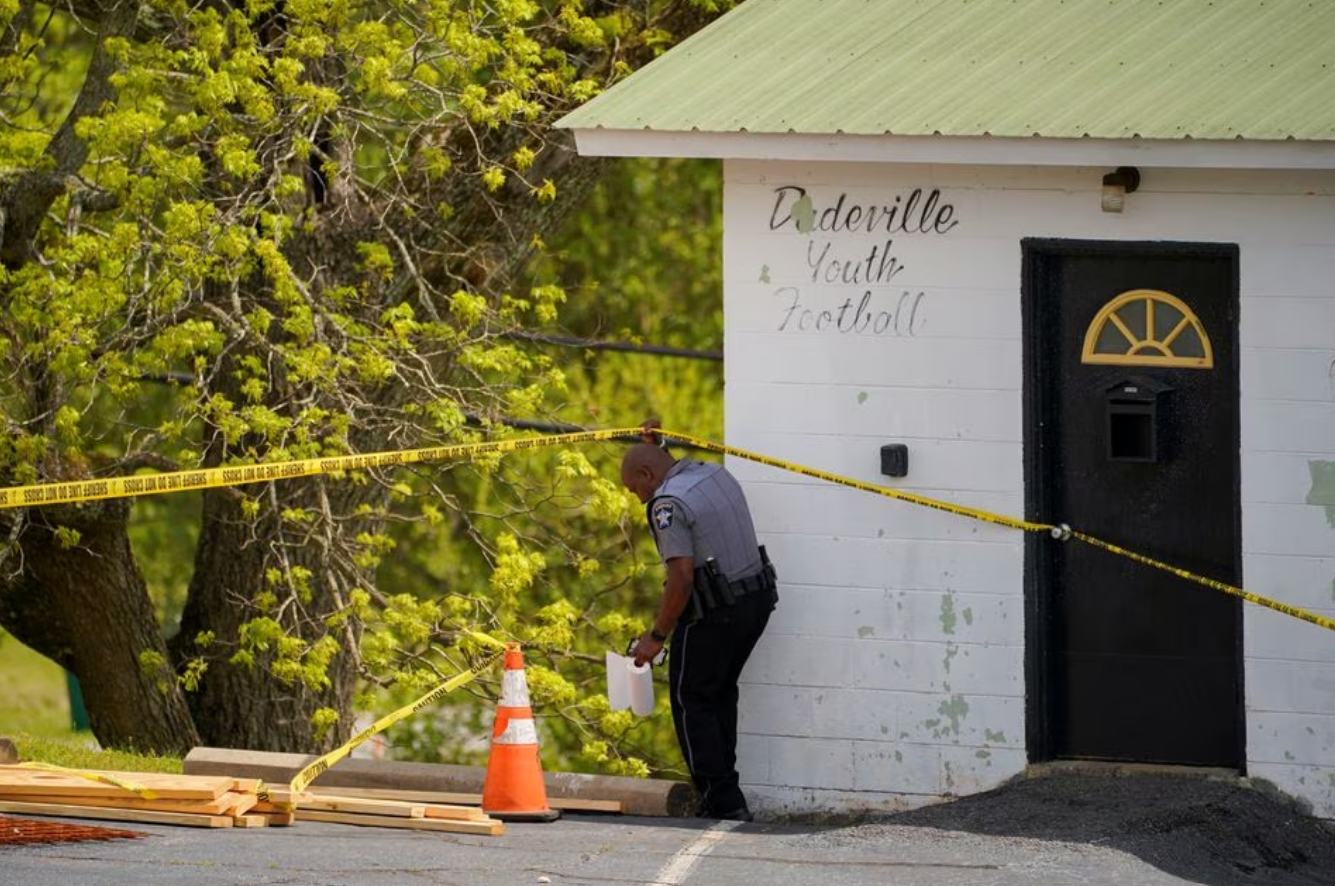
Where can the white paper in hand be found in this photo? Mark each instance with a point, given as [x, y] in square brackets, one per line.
[629, 685]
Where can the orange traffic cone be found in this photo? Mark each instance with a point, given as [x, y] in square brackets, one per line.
[514, 789]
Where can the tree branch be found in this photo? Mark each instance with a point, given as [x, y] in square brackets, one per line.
[27, 198]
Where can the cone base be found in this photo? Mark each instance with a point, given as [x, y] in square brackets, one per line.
[540, 815]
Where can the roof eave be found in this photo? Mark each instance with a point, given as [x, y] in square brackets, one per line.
[963, 150]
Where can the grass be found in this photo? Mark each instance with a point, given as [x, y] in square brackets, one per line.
[34, 698]
[35, 714]
[84, 753]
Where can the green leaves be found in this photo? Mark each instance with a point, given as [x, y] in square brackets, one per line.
[289, 231]
[515, 569]
[290, 659]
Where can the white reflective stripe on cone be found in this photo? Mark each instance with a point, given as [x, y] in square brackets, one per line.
[514, 690]
[518, 732]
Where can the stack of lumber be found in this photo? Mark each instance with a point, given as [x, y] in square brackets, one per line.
[419, 814]
[221, 801]
[148, 797]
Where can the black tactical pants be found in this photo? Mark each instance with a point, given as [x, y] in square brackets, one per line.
[707, 658]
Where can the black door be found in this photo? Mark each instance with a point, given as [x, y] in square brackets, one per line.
[1132, 436]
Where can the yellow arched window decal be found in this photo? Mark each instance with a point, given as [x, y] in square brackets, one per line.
[1146, 327]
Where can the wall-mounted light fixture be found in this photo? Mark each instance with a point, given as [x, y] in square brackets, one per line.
[1116, 185]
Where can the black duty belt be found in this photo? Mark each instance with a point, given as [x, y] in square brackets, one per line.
[713, 590]
[751, 584]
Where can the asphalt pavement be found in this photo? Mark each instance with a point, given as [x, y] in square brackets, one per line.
[1127, 831]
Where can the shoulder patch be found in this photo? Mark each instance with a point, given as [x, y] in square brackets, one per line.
[662, 515]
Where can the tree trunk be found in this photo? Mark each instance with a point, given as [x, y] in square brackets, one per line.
[86, 607]
[242, 705]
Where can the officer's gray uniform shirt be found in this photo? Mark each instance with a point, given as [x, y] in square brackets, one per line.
[699, 511]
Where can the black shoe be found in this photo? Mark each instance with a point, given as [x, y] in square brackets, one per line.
[739, 814]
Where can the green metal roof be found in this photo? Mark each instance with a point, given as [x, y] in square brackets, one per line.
[1154, 69]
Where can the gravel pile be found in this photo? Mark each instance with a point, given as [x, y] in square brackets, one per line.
[1215, 831]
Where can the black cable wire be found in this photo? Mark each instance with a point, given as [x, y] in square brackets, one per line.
[523, 424]
[567, 341]
[544, 427]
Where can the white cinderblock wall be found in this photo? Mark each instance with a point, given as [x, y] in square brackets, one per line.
[893, 671]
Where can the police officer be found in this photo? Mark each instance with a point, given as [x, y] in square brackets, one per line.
[717, 599]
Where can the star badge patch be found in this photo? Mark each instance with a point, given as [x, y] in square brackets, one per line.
[663, 515]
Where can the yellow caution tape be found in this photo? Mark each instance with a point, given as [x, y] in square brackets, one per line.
[239, 475]
[975, 513]
[312, 771]
[1060, 532]
[1328, 624]
[94, 775]
[180, 481]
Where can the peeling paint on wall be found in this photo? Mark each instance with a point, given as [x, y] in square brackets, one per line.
[954, 710]
[948, 618]
[764, 273]
[1323, 487]
[951, 651]
[994, 737]
[862, 397]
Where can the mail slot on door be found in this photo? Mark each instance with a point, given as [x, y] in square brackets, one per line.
[1137, 415]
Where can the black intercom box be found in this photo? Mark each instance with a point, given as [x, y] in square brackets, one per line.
[895, 460]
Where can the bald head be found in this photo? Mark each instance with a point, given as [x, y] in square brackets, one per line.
[643, 468]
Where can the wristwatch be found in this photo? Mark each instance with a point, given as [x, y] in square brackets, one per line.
[661, 638]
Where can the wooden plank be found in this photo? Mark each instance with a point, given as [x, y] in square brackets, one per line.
[569, 804]
[241, 804]
[490, 828]
[283, 796]
[580, 804]
[220, 806]
[146, 816]
[275, 819]
[250, 821]
[15, 781]
[454, 813]
[435, 797]
[426, 799]
[364, 806]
